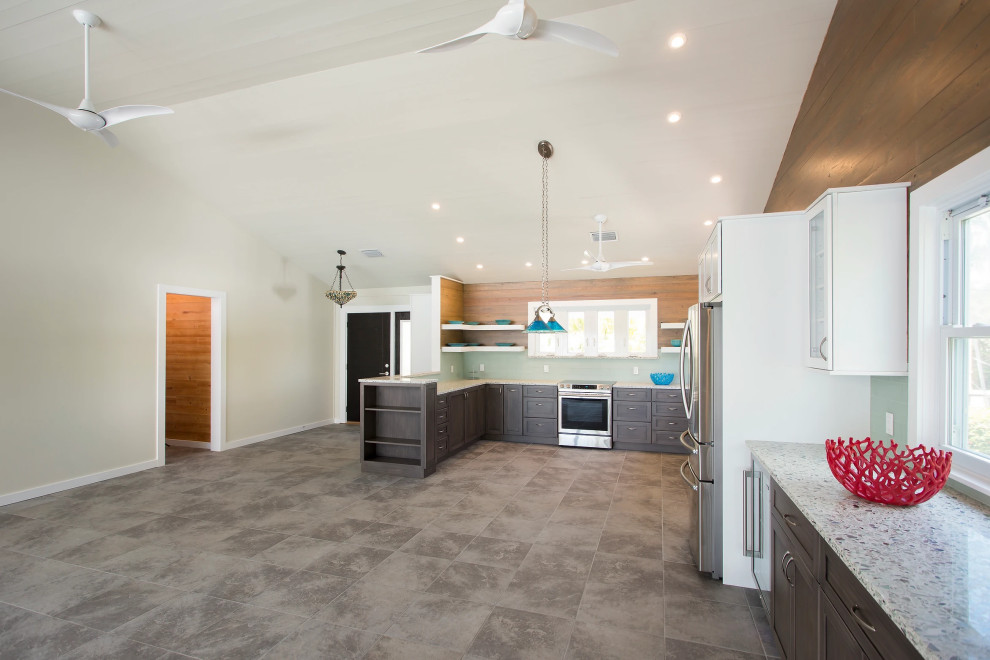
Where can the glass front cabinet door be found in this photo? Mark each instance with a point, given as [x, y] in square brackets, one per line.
[819, 222]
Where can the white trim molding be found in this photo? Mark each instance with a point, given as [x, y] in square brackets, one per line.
[234, 444]
[218, 366]
[58, 486]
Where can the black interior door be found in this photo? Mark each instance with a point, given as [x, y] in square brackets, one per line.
[368, 337]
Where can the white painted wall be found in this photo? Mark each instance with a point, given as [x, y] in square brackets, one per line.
[88, 233]
[767, 392]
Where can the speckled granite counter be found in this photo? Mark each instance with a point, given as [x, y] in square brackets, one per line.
[446, 386]
[928, 566]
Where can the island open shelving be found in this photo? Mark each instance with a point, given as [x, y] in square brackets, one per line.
[397, 427]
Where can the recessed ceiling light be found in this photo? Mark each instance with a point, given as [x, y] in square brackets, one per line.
[479, 266]
[460, 239]
[708, 223]
[584, 262]
[529, 264]
[674, 117]
[716, 179]
[677, 40]
[645, 259]
[435, 206]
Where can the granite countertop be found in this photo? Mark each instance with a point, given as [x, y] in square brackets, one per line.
[445, 386]
[928, 566]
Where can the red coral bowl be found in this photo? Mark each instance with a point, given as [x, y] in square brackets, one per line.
[881, 473]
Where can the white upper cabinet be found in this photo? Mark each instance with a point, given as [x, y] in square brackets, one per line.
[710, 267]
[856, 320]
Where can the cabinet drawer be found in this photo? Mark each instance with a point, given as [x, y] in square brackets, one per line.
[667, 396]
[631, 412]
[669, 441]
[540, 408]
[540, 391]
[862, 614]
[442, 401]
[669, 425]
[795, 522]
[630, 394]
[669, 409]
[638, 432]
[546, 428]
[442, 440]
[441, 416]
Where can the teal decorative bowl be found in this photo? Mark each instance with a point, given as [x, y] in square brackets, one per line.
[504, 343]
[675, 342]
[455, 322]
[661, 378]
[470, 323]
[456, 344]
[503, 322]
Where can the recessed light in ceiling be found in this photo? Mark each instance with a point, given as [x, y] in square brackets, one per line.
[372, 253]
[677, 40]
[460, 239]
[716, 179]
[529, 264]
[674, 117]
[479, 266]
[708, 223]
[584, 262]
[645, 259]
[435, 206]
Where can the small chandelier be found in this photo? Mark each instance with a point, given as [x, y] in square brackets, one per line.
[538, 324]
[337, 293]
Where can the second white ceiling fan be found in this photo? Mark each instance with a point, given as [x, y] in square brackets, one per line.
[517, 20]
[600, 265]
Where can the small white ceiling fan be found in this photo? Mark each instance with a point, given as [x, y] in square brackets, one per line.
[85, 116]
[517, 20]
[600, 265]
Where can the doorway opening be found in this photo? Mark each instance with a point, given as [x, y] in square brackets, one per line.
[191, 378]
[371, 345]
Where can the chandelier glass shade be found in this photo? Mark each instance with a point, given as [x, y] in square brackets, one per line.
[337, 292]
[538, 325]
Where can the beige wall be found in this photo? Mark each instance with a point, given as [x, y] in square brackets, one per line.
[87, 235]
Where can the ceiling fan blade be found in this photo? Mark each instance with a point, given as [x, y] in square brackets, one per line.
[575, 35]
[580, 268]
[65, 112]
[627, 264]
[107, 137]
[507, 22]
[127, 112]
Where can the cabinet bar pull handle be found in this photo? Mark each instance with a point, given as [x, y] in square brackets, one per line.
[821, 349]
[789, 519]
[783, 562]
[861, 620]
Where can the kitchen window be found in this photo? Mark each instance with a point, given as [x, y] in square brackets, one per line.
[599, 328]
[965, 327]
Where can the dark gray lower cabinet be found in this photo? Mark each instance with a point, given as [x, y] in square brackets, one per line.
[512, 410]
[795, 600]
[493, 409]
[474, 413]
[455, 421]
[837, 642]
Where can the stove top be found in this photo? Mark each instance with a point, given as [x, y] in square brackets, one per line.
[585, 385]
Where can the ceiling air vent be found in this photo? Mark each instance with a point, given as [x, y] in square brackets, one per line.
[603, 236]
[372, 253]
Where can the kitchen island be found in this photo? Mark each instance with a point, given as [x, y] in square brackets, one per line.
[926, 566]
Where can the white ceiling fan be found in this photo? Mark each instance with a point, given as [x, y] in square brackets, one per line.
[85, 116]
[600, 265]
[517, 20]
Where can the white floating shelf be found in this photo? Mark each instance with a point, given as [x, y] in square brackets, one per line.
[482, 349]
[672, 326]
[462, 326]
[670, 349]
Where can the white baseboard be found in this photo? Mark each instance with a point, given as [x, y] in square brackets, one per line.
[233, 444]
[58, 486]
[188, 443]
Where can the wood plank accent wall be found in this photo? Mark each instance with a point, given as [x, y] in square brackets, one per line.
[187, 368]
[899, 93]
[508, 300]
[451, 309]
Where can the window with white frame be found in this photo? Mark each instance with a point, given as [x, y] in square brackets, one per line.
[965, 327]
[600, 328]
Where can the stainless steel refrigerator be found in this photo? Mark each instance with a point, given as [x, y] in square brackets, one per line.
[701, 389]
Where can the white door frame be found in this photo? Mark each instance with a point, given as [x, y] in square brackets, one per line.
[218, 365]
[340, 350]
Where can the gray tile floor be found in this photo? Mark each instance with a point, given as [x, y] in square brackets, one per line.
[283, 549]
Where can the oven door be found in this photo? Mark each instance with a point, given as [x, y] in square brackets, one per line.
[585, 414]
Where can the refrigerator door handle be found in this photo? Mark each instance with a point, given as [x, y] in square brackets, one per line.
[685, 344]
[693, 486]
[693, 445]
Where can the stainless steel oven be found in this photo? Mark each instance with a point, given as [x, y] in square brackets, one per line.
[584, 414]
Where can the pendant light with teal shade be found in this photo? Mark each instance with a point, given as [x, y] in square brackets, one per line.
[538, 325]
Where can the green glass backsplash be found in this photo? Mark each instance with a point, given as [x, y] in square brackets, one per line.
[889, 394]
[520, 366]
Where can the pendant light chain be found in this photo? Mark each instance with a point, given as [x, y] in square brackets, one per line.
[545, 224]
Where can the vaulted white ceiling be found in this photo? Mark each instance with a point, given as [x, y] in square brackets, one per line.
[316, 125]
